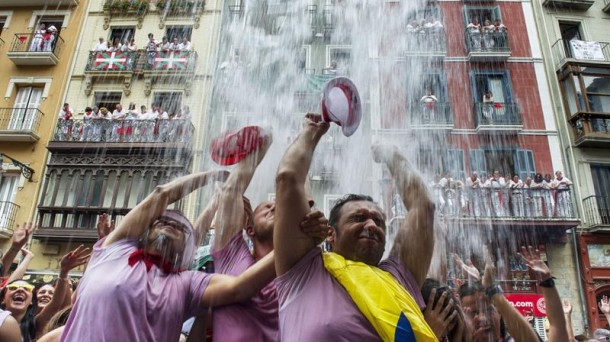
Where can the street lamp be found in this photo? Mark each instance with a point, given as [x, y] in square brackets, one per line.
[26, 171]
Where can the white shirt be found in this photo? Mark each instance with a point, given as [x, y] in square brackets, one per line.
[500, 182]
[564, 183]
[185, 46]
[101, 47]
[63, 113]
[428, 99]
[116, 115]
[474, 28]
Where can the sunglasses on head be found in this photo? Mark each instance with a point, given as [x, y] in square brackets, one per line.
[15, 287]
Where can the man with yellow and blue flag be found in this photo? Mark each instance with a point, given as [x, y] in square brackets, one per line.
[350, 294]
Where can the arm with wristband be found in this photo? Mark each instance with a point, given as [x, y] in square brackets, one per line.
[554, 307]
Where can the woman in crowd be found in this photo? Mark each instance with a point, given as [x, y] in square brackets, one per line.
[19, 298]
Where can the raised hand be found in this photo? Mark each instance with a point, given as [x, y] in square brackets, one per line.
[73, 259]
[27, 253]
[104, 225]
[315, 123]
[532, 259]
[315, 225]
[604, 305]
[438, 318]
[383, 153]
[22, 234]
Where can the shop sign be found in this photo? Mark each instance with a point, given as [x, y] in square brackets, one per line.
[527, 302]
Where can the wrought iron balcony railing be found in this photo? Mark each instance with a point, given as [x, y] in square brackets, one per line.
[581, 51]
[504, 203]
[37, 43]
[25, 120]
[115, 61]
[8, 211]
[124, 131]
[126, 7]
[488, 42]
[497, 113]
[426, 41]
[180, 8]
[430, 113]
[597, 210]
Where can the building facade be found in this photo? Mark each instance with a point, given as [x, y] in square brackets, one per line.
[573, 35]
[37, 41]
[110, 164]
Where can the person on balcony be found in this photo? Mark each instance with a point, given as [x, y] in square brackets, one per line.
[489, 31]
[174, 45]
[87, 128]
[185, 45]
[549, 195]
[118, 115]
[164, 44]
[517, 200]
[434, 29]
[537, 195]
[151, 50]
[49, 38]
[501, 31]
[499, 201]
[115, 46]
[473, 30]
[476, 196]
[563, 200]
[428, 102]
[102, 45]
[488, 105]
[37, 42]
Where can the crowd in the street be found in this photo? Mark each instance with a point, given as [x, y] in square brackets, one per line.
[495, 196]
[271, 280]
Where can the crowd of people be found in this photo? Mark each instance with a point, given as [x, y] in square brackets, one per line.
[489, 36]
[272, 281]
[120, 124]
[129, 45]
[495, 196]
[43, 39]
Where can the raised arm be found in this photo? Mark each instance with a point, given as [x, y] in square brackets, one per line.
[226, 289]
[291, 203]
[516, 324]
[206, 219]
[20, 238]
[554, 307]
[230, 214]
[414, 241]
[73, 259]
[23, 266]
[152, 207]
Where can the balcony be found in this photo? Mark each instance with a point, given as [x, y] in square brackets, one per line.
[111, 63]
[189, 9]
[136, 9]
[28, 49]
[436, 115]
[8, 212]
[510, 207]
[597, 212]
[580, 52]
[175, 66]
[591, 129]
[34, 3]
[122, 134]
[426, 44]
[65, 224]
[487, 47]
[497, 116]
[576, 5]
[20, 124]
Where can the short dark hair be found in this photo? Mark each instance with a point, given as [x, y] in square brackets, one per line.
[335, 212]
[470, 289]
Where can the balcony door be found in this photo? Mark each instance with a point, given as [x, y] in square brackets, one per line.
[601, 184]
[8, 186]
[25, 110]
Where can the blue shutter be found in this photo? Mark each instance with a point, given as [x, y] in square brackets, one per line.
[525, 166]
[454, 162]
[477, 161]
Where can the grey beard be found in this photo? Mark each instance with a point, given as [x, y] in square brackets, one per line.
[162, 244]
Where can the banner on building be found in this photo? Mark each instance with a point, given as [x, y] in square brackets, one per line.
[587, 50]
[106, 60]
[527, 302]
[171, 60]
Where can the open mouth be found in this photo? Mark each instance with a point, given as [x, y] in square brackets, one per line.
[19, 298]
[44, 300]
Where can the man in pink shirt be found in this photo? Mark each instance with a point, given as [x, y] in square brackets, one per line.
[135, 288]
[314, 306]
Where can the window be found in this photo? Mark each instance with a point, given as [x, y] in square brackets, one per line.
[481, 14]
[25, 110]
[569, 31]
[508, 161]
[122, 33]
[593, 98]
[498, 83]
[49, 21]
[338, 59]
[2, 23]
[169, 101]
[107, 99]
[8, 187]
[178, 32]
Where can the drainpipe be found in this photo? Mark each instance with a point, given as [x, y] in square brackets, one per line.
[581, 292]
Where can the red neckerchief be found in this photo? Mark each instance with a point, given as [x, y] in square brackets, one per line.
[150, 260]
